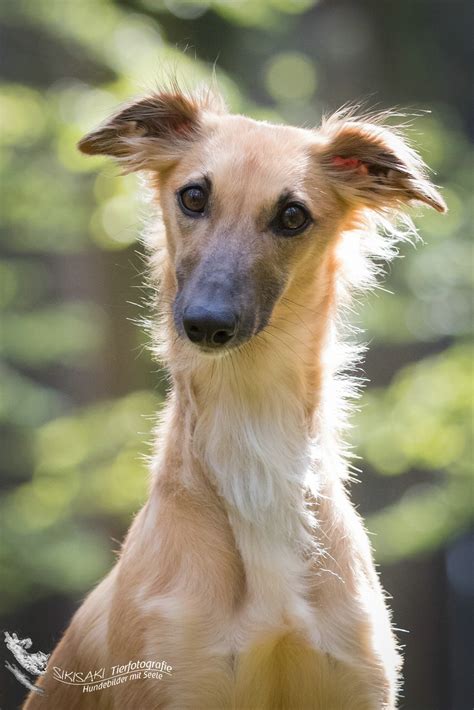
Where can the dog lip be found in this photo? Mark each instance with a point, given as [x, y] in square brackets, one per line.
[211, 351]
[237, 340]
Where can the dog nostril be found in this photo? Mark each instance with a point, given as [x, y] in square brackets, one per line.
[220, 337]
[193, 331]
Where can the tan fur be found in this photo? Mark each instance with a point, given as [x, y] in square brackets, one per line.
[284, 673]
[248, 569]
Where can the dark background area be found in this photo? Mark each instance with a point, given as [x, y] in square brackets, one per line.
[79, 389]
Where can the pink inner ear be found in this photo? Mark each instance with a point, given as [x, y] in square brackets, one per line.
[350, 164]
[182, 125]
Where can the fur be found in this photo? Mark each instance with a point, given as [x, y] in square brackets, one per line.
[248, 569]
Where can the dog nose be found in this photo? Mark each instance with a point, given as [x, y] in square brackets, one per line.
[213, 327]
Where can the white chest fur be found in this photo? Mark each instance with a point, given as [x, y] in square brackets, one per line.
[252, 439]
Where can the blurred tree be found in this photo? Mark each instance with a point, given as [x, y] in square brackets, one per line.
[76, 409]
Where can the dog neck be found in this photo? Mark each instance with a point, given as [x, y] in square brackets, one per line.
[250, 419]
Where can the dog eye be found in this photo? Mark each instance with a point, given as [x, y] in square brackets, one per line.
[193, 200]
[293, 219]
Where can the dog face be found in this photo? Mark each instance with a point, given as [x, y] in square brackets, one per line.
[242, 208]
[249, 207]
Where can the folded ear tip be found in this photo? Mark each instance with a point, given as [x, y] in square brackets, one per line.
[439, 204]
[431, 197]
[86, 145]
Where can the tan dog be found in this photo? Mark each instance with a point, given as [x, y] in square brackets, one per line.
[248, 570]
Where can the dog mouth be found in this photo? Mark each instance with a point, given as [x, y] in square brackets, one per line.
[220, 344]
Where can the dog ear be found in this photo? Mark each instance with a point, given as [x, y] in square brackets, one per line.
[149, 133]
[370, 165]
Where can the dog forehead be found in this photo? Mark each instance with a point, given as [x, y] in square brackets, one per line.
[238, 153]
[240, 144]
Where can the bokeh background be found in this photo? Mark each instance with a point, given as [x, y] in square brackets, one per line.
[79, 389]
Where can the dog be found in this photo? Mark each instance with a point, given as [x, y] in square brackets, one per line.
[248, 571]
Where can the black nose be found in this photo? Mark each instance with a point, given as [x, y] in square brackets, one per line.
[214, 326]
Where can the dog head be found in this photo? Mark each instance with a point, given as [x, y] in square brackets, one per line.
[250, 207]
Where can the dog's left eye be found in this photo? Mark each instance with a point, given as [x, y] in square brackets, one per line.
[292, 219]
[193, 200]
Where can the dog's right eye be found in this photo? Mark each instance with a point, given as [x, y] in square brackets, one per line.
[293, 219]
[193, 200]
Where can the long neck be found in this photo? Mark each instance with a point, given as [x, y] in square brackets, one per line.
[248, 422]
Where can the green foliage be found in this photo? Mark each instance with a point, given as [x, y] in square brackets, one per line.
[72, 474]
[89, 473]
[422, 421]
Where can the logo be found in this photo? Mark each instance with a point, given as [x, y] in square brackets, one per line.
[89, 681]
[101, 678]
[32, 663]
